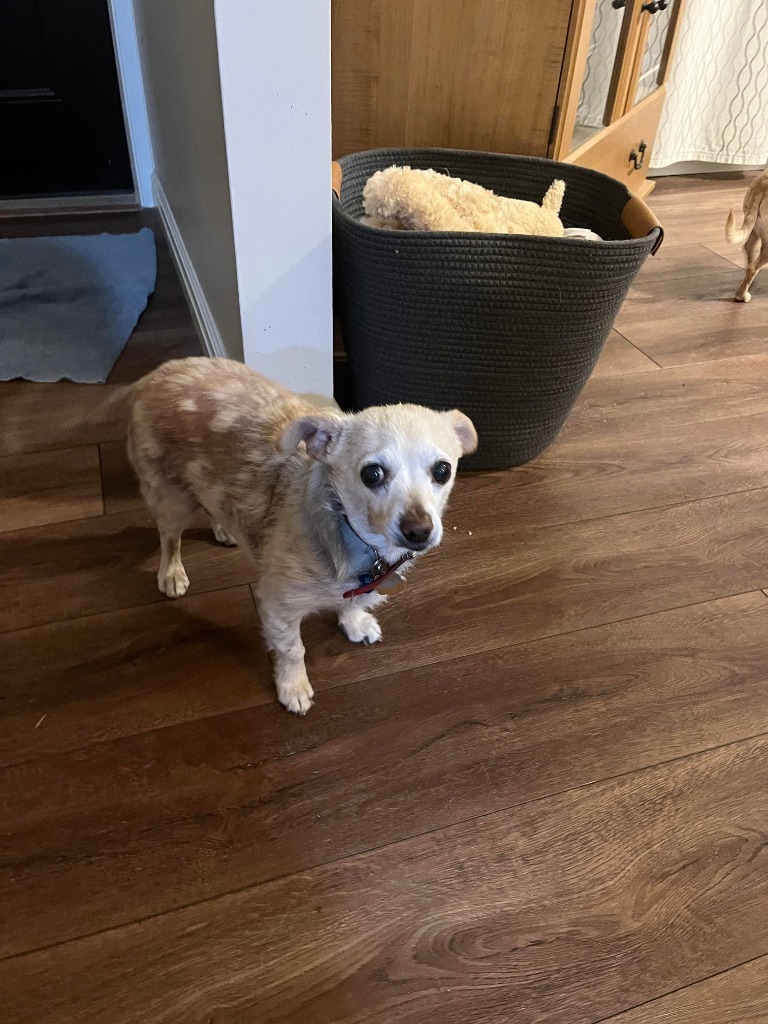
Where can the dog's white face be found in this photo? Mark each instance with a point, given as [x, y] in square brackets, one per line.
[392, 468]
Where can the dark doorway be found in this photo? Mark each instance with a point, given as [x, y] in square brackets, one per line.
[61, 119]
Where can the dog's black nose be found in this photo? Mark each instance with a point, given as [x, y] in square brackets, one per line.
[416, 527]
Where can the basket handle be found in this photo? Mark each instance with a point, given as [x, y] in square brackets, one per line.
[640, 220]
[336, 178]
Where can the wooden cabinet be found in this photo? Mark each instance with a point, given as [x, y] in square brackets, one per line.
[613, 85]
[577, 80]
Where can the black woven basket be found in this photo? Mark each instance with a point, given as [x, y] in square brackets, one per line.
[505, 327]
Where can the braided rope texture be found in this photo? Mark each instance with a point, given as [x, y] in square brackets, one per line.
[506, 328]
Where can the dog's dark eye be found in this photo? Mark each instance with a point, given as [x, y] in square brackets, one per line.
[373, 475]
[441, 472]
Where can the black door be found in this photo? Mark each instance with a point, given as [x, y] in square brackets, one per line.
[61, 120]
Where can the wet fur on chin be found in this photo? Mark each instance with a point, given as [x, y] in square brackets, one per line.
[272, 472]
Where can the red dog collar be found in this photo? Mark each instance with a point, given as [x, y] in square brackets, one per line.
[375, 583]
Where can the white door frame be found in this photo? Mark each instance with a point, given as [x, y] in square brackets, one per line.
[129, 74]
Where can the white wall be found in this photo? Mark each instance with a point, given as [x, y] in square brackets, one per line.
[275, 67]
[180, 63]
[239, 103]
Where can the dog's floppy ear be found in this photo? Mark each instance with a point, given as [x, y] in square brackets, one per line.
[319, 432]
[465, 431]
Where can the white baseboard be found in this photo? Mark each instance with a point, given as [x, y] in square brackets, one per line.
[201, 311]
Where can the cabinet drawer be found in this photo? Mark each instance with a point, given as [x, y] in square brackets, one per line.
[611, 149]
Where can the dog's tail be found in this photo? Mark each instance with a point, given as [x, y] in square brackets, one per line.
[553, 198]
[738, 236]
[89, 417]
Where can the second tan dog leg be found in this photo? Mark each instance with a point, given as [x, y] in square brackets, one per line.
[172, 579]
[172, 510]
[755, 262]
[281, 627]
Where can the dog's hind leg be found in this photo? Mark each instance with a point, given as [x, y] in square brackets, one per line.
[755, 250]
[172, 509]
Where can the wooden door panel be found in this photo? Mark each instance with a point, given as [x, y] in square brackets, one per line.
[471, 74]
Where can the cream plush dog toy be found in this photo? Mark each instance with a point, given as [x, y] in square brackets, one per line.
[409, 200]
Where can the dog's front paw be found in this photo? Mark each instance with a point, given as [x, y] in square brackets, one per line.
[296, 697]
[360, 627]
[174, 583]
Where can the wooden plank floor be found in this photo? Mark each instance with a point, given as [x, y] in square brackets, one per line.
[543, 799]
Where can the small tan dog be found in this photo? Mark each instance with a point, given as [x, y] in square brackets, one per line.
[405, 199]
[753, 234]
[332, 506]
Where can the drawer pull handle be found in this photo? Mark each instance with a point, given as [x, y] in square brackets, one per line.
[637, 156]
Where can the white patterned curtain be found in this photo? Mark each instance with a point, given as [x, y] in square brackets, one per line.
[716, 108]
